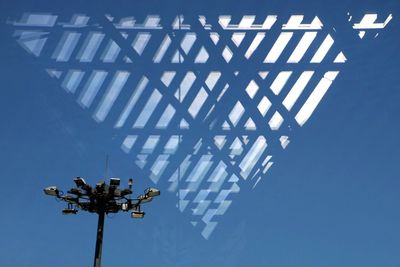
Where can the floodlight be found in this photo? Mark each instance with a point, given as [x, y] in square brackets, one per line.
[100, 184]
[69, 211]
[51, 191]
[115, 181]
[100, 187]
[130, 183]
[125, 206]
[137, 214]
[70, 199]
[145, 198]
[125, 192]
[152, 192]
[80, 182]
[115, 192]
[75, 191]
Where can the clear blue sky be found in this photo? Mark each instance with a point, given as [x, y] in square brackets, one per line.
[331, 197]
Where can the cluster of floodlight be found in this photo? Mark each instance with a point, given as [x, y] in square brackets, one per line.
[103, 197]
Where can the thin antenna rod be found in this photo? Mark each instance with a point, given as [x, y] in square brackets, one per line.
[106, 174]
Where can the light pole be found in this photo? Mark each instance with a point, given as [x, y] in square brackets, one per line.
[102, 199]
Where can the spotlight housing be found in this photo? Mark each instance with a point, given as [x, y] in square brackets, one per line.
[115, 181]
[145, 198]
[75, 191]
[51, 191]
[80, 182]
[137, 214]
[70, 199]
[125, 192]
[152, 192]
[69, 211]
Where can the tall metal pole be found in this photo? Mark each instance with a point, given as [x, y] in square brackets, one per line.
[99, 240]
[103, 199]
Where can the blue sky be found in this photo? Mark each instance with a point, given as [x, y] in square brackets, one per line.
[330, 198]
